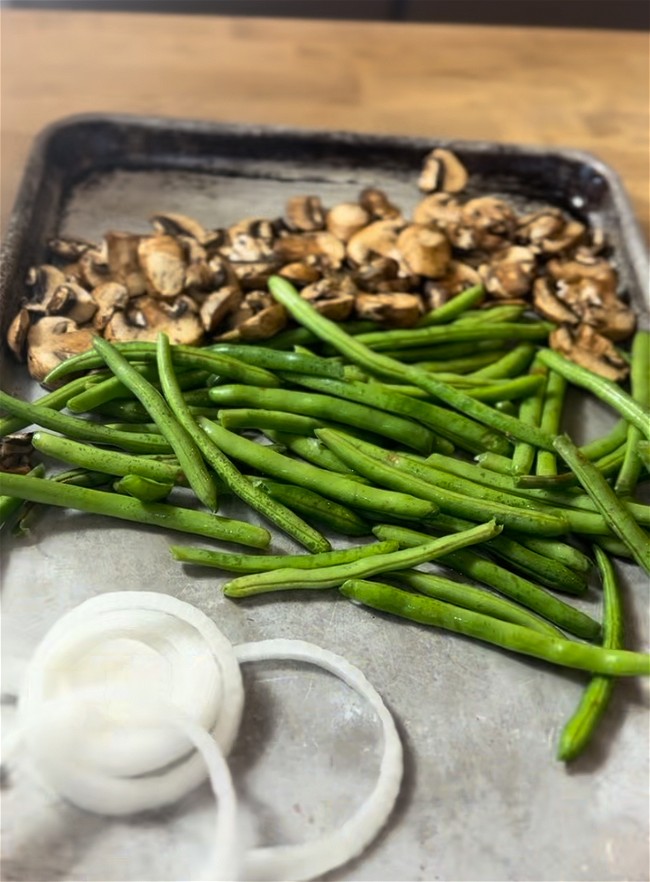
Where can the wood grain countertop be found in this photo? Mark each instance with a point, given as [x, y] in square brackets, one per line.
[571, 88]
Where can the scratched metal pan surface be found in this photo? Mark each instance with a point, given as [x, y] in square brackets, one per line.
[483, 797]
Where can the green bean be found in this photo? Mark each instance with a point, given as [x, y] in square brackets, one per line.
[495, 462]
[640, 378]
[74, 477]
[566, 554]
[453, 307]
[314, 507]
[314, 451]
[107, 461]
[155, 513]
[190, 357]
[459, 332]
[470, 597]
[512, 364]
[112, 388]
[643, 449]
[470, 363]
[607, 465]
[278, 360]
[327, 407]
[513, 389]
[514, 638]
[275, 420]
[83, 430]
[392, 470]
[333, 576]
[551, 420]
[615, 514]
[530, 412]
[330, 484]
[180, 440]
[442, 351]
[55, 400]
[304, 337]
[470, 563]
[377, 363]
[506, 312]
[143, 489]
[10, 505]
[548, 571]
[455, 427]
[256, 563]
[279, 514]
[579, 730]
[613, 546]
[606, 390]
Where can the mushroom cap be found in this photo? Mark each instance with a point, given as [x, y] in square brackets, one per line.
[423, 251]
[52, 340]
[377, 239]
[346, 219]
[147, 316]
[397, 310]
[588, 348]
[442, 170]
[163, 263]
[305, 213]
[510, 273]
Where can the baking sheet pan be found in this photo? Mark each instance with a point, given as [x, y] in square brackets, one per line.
[483, 797]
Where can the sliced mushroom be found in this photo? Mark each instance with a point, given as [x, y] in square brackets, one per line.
[305, 213]
[92, 268]
[251, 239]
[42, 282]
[109, 297]
[254, 274]
[332, 296]
[397, 310]
[548, 305]
[346, 219]
[378, 205]
[74, 302]
[457, 278]
[69, 249]
[423, 251]
[264, 318]
[486, 224]
[198, 273]
[550, 230]
[17, 333]
[124, 260]
[300, 272]
[378, 239]
[510, 273]
[325, 247]
[174, 224]
[147, 316]
[441, 210]
[586, 347]
[52, 340]
[163, 263]
[16, 453]
[442, 170]
[218, 305]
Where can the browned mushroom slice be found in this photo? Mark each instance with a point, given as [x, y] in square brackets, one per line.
[42, 282]
[486, 224]
[254, 274]
[69, 249]
[163, 263]
[109, 297]
[332, 296]
[423, 251]
[123, 260]
[52, 340]
[16, 453]
[17, 333]
[305, 213]
[174, 224]
[378, 239]
[439, 210]
[198, 273]
[74, 302]
[258, 318]
[218, 305]
[458, 277]
[300, 272]
[548, 305]
[250, 239]
[323, 246]
[586, 347]
[378, 205]
[346, 219]
[510, 273]
[147, 316]
[550, 230]
[396, 310]
[92, 268]
[442, 170]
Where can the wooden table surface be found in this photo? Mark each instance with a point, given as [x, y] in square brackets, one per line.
[575, 88]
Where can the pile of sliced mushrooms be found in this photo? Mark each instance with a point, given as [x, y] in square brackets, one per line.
[361, 259]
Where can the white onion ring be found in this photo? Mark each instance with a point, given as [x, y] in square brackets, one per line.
[117, 748]
[293, 863]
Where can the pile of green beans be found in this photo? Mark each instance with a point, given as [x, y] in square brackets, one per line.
[372, 437]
